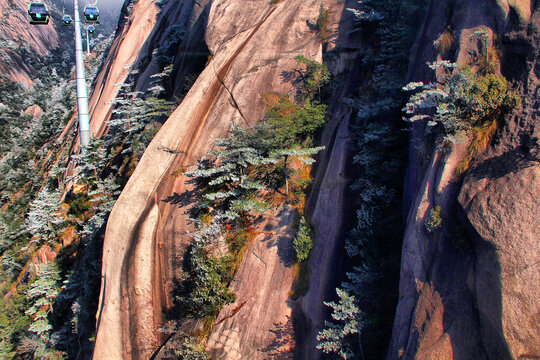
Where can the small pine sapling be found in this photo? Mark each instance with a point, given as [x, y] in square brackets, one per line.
[336, 337]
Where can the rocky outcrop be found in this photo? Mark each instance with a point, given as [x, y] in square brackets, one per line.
[467, 290]
[124, 54]
[251, 44]
[259, 325]
[38, 41]
[475, 295]
[34, 111]
[502, 204]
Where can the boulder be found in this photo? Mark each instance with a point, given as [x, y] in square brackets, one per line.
[34, 111]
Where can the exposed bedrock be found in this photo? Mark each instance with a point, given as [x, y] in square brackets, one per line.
[328, 207]
[251, 43]
[475, 295]
[16, 31]
[128, 46]
[501, 201]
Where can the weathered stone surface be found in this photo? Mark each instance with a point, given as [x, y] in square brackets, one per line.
[448, 307]
[146, 233]
[124, 53]
[34, 111]
[14, 27]
[504, 208]
[327, 217]
[435, 317]
[488, 289]
[258, 325]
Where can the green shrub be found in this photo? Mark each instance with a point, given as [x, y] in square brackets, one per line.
[312, 79]
[303, 242]
[322, 24]
[462, 99]
[191, 351]
[207, 290]
[79, 205]
[434, 220]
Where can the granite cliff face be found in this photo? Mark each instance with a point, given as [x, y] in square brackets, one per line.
[475, 296]
[17, 34]
[147, 235]
[464, 296]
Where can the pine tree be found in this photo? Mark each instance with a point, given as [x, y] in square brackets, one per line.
[91, 162]
[102, 199]
[133, 112]
[43, 218]
[337, 335]
[459, 100]
[366, 12]
[42, 294]
[226, 177]
[303, 241]
[206, 290]
[311, 79]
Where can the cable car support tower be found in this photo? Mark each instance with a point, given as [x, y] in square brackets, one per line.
[82, 92]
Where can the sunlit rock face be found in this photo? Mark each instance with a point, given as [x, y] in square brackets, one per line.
[249, 45]
[476, 299]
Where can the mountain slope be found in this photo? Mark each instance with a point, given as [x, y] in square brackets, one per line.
[474, 295]
[21, 47]
[462, 292]
[249, 54]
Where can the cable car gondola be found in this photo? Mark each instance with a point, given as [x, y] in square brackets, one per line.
[91, 14]
[39, 13]
[91, 29]
[67, 20]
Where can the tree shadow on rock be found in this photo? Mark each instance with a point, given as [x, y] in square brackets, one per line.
[182, 200]
[185, 200]
[282, 347]
[499, 166]
[295, 77]
[282, 241]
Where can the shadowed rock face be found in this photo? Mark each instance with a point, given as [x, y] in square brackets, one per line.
[251, 43]
[478, 300]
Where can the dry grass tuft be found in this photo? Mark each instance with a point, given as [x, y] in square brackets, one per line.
[482, 136]
[270, 100]
[444, 42]
[463, 166]
[180, 171]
